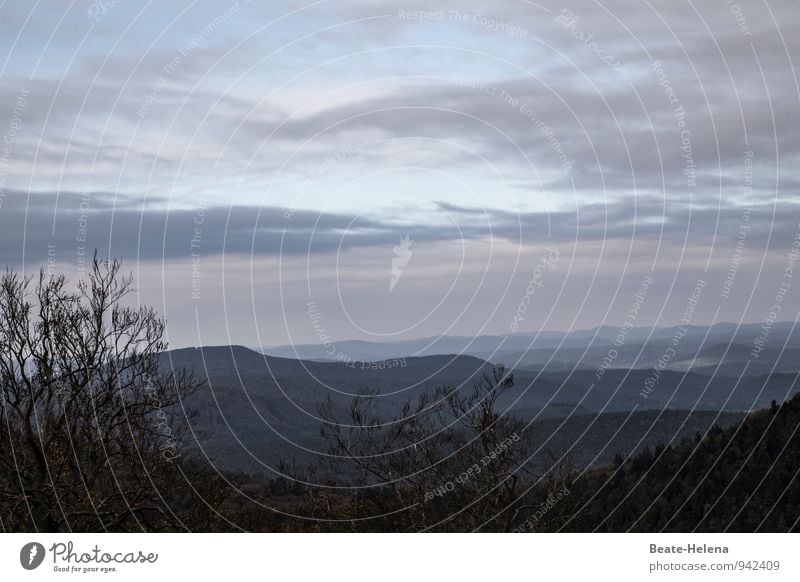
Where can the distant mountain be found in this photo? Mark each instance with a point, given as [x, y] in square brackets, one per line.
[368, 351]
[726, 345]
[257, 410]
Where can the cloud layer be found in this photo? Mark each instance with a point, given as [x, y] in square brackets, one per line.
[663, 137]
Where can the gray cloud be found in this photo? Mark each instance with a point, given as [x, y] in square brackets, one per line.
[119, 226]
[142, 106]
[619, 130]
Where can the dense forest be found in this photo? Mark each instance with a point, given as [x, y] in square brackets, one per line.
[740, 479]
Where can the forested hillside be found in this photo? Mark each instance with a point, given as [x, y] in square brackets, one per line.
[743, 478]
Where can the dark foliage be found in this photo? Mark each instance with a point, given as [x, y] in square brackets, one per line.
[741, 479]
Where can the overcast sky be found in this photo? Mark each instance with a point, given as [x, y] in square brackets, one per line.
[246, 159]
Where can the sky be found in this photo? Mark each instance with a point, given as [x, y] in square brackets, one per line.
[286, 172]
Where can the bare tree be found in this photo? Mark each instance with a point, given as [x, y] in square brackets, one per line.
[92, 426]
[448, 461]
